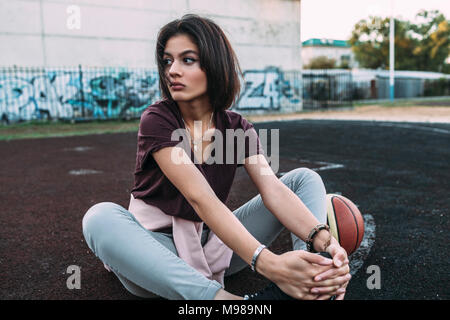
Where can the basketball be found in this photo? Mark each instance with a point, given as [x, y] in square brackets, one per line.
[345, 221]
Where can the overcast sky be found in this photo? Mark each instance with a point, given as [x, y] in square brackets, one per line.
[334, 19]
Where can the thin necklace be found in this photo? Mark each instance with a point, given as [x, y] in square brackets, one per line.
[196, 142]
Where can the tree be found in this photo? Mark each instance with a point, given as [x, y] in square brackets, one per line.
[321, 62]
[434, 41]
[424, 46]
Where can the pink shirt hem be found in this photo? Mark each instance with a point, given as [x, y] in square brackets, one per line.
[211, 260]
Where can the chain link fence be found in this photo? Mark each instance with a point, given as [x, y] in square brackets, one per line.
[87, 93]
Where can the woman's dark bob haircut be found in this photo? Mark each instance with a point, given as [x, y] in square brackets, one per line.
[217, 58]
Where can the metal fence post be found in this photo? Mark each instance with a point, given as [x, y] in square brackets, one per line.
[80, 71]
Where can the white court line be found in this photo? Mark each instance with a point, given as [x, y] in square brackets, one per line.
[78, 149]
[326, 166]
[84, 172]
[379, 122]
[407, 126]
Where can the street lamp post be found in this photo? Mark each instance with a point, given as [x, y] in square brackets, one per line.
[391, 52]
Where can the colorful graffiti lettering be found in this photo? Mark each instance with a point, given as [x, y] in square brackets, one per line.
[268, 89]
[71, 94]
[119, 93]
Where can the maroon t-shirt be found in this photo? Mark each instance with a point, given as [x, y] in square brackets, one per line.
[157, 124]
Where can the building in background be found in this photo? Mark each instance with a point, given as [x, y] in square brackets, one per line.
[96, 58]
[108, 33]
[338, 50]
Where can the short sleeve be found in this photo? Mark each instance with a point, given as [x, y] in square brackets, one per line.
[252, 142]
[157, 129]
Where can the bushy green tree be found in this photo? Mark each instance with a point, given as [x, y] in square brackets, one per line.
[422, 46]
[321, 62]
[433, 37]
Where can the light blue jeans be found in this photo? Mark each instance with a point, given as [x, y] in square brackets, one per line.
[147, 263]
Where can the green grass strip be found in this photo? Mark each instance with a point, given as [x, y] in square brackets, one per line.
[35, 129]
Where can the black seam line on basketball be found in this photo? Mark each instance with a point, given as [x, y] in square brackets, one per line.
[356, 224]
[335, 219]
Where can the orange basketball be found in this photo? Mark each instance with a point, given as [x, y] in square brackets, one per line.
[345, 221]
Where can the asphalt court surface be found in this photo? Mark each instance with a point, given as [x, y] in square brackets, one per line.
[397, 173]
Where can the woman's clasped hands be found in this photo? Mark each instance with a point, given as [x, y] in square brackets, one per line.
[309, 276]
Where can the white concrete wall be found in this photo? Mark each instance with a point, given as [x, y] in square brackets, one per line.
[122, 33]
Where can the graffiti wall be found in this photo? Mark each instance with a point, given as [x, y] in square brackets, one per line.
[270, 90]
[87, 93]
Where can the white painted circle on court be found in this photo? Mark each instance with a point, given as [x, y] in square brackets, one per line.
[357, 258]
